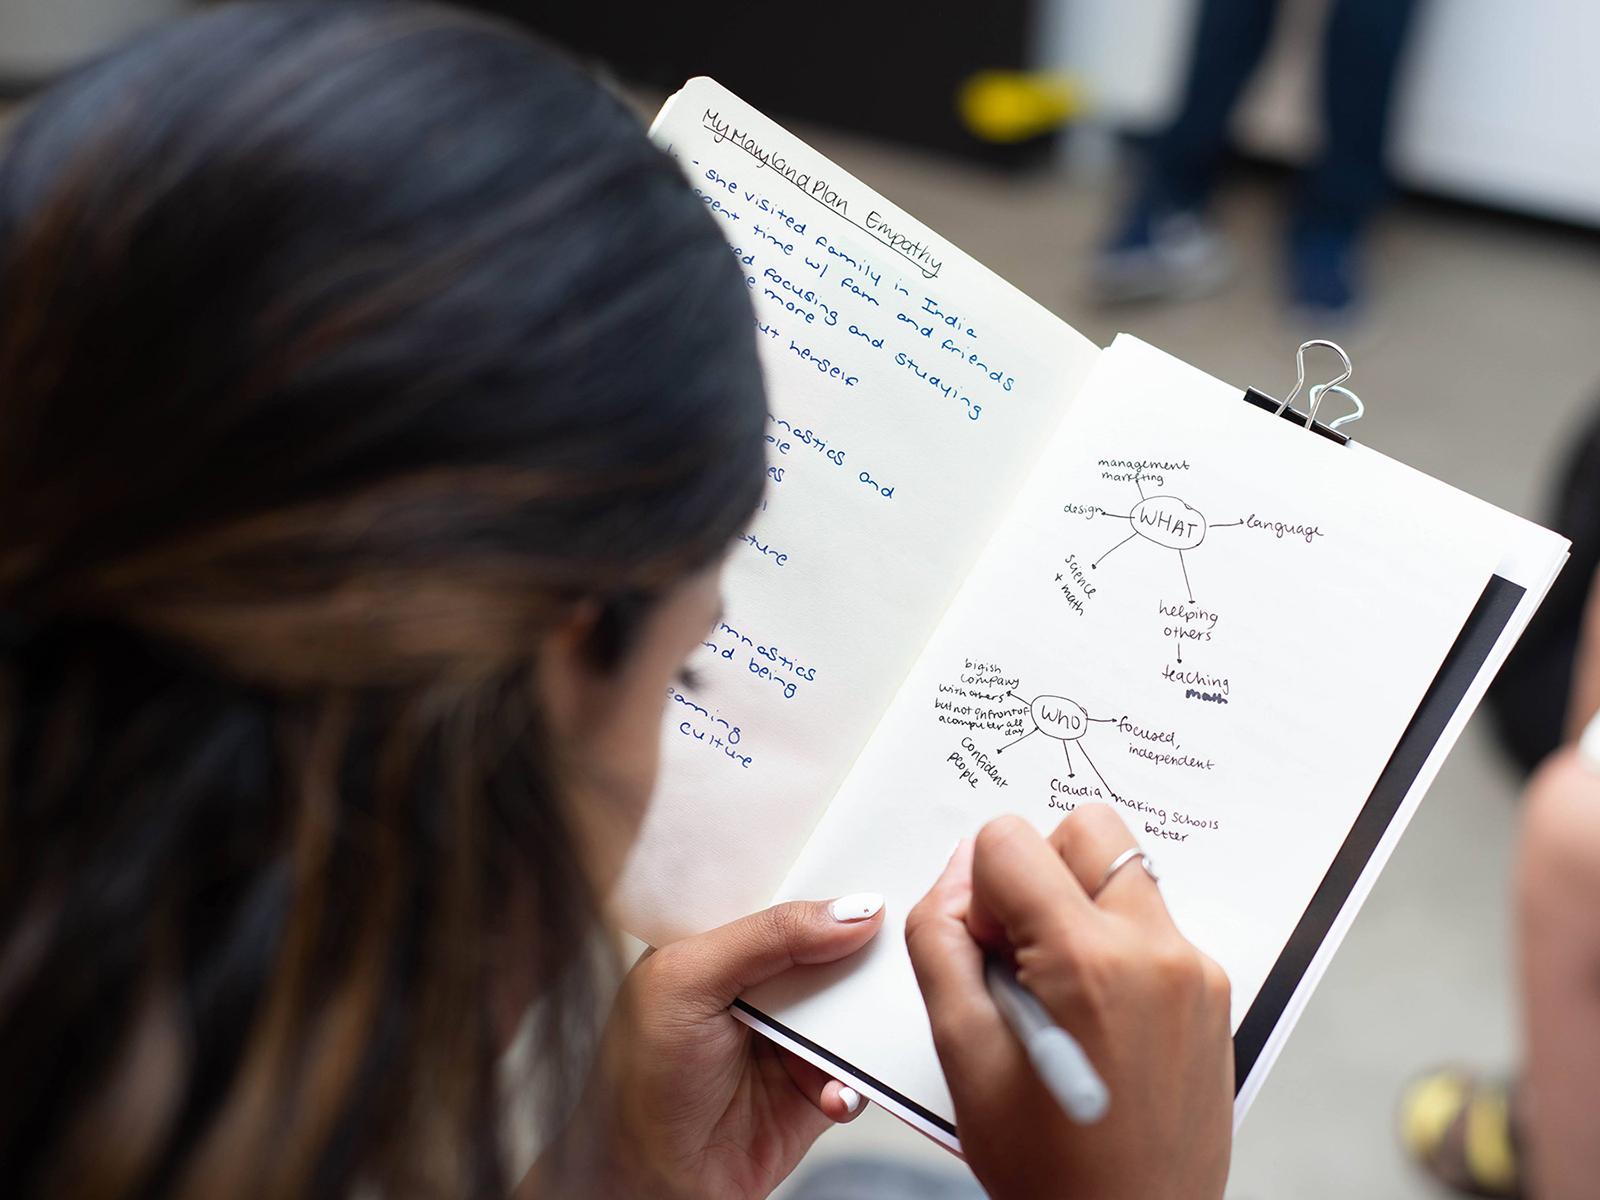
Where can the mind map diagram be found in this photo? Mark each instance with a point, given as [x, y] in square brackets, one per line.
[1061, 744]
[1164, 521]
[1065, 721]
[1168, 522]
[1005, 738]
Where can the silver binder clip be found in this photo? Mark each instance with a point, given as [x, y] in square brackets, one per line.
[1300, 372]
[1318, 392]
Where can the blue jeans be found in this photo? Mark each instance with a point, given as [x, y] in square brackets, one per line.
[1363, 42]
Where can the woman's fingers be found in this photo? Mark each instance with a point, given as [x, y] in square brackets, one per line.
[841, 1102]
[1019, 886]
[837, 1101]
[948, 963]
[1149, 1009]
[1089, 841]
[713, 969]
[968, 1031]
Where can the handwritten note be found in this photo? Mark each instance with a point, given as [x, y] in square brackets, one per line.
[999, 571]
[901, 425]
[1203, 617]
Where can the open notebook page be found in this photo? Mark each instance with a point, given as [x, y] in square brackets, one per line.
[910, 391]
[1204, 615]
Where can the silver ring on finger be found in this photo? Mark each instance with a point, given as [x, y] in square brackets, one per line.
[1131, 854]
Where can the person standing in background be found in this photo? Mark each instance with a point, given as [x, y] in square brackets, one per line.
[1165, 249]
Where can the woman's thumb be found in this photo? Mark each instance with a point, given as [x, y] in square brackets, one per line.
[715, 967]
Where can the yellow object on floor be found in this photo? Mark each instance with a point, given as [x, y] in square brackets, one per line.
[1013, 106]
[1458, 1127]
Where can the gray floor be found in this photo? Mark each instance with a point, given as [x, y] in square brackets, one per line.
[1477, 353]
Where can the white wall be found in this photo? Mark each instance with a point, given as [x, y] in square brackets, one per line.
[1499, 102]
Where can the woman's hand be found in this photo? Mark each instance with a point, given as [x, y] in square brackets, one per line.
[723, 1112]
[1150, 1010]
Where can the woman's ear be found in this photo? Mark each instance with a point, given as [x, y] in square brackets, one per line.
[574, 688]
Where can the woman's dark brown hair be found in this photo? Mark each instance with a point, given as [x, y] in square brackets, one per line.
[343, 350]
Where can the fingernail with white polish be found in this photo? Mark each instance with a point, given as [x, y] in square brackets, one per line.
[850, 1098]
[857, 906]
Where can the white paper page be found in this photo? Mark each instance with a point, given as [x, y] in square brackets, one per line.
[1331, 585]
[910, 391]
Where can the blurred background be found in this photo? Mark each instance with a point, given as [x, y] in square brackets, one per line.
[1024, 132]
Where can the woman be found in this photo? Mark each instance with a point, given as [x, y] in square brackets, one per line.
[376, 405]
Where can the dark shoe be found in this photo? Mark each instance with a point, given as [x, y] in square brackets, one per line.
[1171, 255]
[1322, 271]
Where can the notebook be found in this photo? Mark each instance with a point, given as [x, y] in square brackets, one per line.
[999, 569]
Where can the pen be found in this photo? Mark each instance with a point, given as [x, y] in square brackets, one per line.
[1060, 1062]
